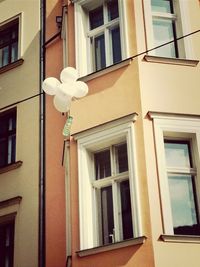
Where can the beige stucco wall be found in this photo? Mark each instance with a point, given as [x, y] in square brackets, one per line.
[167, 88]
[17, 84]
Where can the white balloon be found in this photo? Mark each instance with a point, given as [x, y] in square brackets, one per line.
[68, 88]
[68, 74]
[62, 104]
[49, 85]
[81, 89]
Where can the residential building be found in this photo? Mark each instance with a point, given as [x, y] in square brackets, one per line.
[123, 189]
[19, 132]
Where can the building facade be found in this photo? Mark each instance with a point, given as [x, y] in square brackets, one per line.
[19, 132]
[123, 188]
[128, 193]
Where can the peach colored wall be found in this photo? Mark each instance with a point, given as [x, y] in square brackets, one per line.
[167, 88]
[55, 179]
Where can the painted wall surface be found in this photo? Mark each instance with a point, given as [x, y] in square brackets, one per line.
[55, 172]
[17, 84]
[174, 89]
[111, 95]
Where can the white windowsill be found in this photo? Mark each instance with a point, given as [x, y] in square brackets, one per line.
[173, 61]
[106, 70]
[181, 238]
[117, 245]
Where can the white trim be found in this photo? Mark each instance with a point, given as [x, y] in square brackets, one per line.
[183, 26]
[131, 242]
[182, 126]
[110, 133]
[84, 60]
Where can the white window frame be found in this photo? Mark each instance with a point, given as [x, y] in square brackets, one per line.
[183, 27]
[90, 141]
[178, 127]
[7, 22]
[84, 57]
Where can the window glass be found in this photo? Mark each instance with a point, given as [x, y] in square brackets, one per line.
[177, 154]
[161, 6]
[100, 56]
[14, 52]
[3, 151]
[107, 215]
[5, 56]
[127, 226]
[164, 32]
[183, 206]
[116, 45]
[113, 11]
[9, 43]
[96, 17]
[7, 138]
[102, 164]
[7, 244]
[121, 158]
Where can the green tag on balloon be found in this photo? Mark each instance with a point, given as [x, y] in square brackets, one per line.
[67, 127]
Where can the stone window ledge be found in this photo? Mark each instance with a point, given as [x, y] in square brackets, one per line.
[11, 65]
[180, 238]
[117, 245]
[11, 166]
[173, 61]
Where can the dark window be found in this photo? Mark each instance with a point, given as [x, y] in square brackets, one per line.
[107, 215]
[113, 11]
[116, 45]
[7, 244]
[113, 194]
[7, 137]
[102, 164]
[105, 39]
[127, 225]
[96, 17]
[9, 43]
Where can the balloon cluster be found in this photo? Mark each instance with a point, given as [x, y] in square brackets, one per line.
[66, 90]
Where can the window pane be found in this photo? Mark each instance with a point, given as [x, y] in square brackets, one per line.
[177, 154]
[116, 45]
[163, 33]
[127, 226]
[183, 206]
[3, 152]
[161, 6]
[11, 149]
[96, 17]
[113, 11]
[102, 164]
[107, 215]
[100, 57]
[14, 52]
[4, 37]
[5, 56]
[121, 158]
[7, 244]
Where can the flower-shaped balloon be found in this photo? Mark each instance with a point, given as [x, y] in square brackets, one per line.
[66, 90]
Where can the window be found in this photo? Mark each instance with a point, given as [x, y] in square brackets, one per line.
[182, 186]
[177, 148]
[164, 27]
[9, 42]
[111, 185]
[101, 33]
[7, 137]
[108, 190]
[166, 21]
[7, 243]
